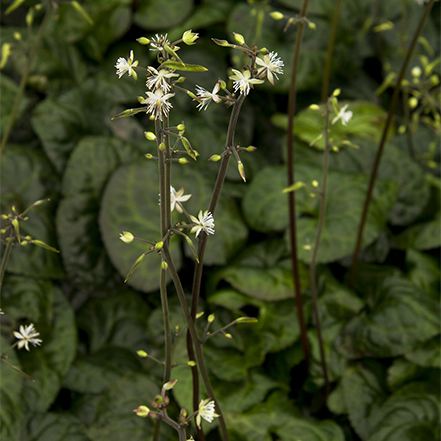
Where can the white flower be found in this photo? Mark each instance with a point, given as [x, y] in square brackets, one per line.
[157, 42]
[205, 223]
[177, 197]
[206, 96]
[206, 411]
[272, 64]
[27, 335]
[242, 81]
[343, 115]
[122, 66]
[157, 103]
[158, 80]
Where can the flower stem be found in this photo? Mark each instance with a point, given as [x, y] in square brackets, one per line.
[24, 78]
[197, 277]
[373, 177]
[6, 257]
[291, 194]
[195, 339]
[313, 263]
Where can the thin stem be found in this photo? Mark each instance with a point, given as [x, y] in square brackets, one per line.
[313, 264]
[163, 190]
[291, 195]
[195, 339]
[6, 257]
[329, 51]
[374, 172]
[24, 78]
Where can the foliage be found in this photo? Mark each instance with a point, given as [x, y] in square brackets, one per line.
[381, 339]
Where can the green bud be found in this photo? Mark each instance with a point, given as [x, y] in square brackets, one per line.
[413, 102]
[164, 265]
[148, 155]
[189, 37]
[126, 237]
[200, 314]
[336, 92]
[223, 43]
[294, 187]
[6, 51]
[223, 84]
[143, 41]
[416, 71]
[315, 183]
[150, 136]
[183, 161]
[17, 36]
[142, 354]
[3, 231]
[23, 243]
[142, 411]
[181, 80]
[180, 127]
[43, 245]
[16, 227]
[312, 25]
[159, 246]
[251, 148]
[214, 158]
[241, 171]
[229, 336]
[239, 38]
[383, 27]
[210, 318]
[314, 107]
[161, 146]
[191, 363]
[276, 15]
[170, 385]
[3, 216]
[246, 320]
[30, 17]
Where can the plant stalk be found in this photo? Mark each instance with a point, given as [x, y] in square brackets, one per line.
[374, 172]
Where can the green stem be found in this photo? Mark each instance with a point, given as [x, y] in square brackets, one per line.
[374, 172]
[313, 264]
[197, 277]
[329, 52]
[6, 257]
[195, 339]
[291, 195]
[24, 78]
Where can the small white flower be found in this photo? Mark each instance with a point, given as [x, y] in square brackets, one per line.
[157, 103]
[206, 97]
[242, 81]
[177, 197]
[205, 223]
[157, 42]
[206, 411]
[122, 66]
[343, 115]
[272, 64]
[27, 335]
[158, 80]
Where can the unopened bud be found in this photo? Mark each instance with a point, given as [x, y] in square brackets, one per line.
[17, 36]
[143, 40]
[251, 148]
[312, 25]
[413, 102]
[314, 107]
[214, 158]
[239, 38]
[148, 155]
[150, 136]
[142, 411]
[183, 161]
[200, 314]
[126, 237]
[164, 265]
[246, 320]
[180, 127]
[170, 385]
[315, 183]
[141, 353]
[336, 92]
[241, 171]
[229, 336]
[161, 146]
[210, 318]
[191, 363]
[276, 15]
[159, 246]
[223, 84]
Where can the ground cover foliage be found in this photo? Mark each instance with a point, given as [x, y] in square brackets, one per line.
[381, 338]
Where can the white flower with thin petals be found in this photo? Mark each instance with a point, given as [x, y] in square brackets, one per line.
[27, 335]
[206, 411]
[158, 80]
[242, 81]
[343, 115]
[204, 223]
[206, 97]
[157, 42]
[272, 64]
[177, 197]
[126, 66]
[157, 103]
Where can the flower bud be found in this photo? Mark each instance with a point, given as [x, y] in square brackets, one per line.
[148, 155]
[143, 41]
[141, 353]
[189, 37]
[276, 15]
[241, 171]
[150, 136]
[164, 265]
[161, 146]
[251, 148]
[180, 127]
[239, 38]
[413, 102]
[170, 385]
[416, 71]
[229, 336]
[183, 161]
[246, 320]
[315, 183]
[142, 411]
[336, 92]
[159, 246]
[191, 363]
[214, 158]
[126, 237]
[312, 25]
[314, 107]
[210, 318]
[17, 36]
